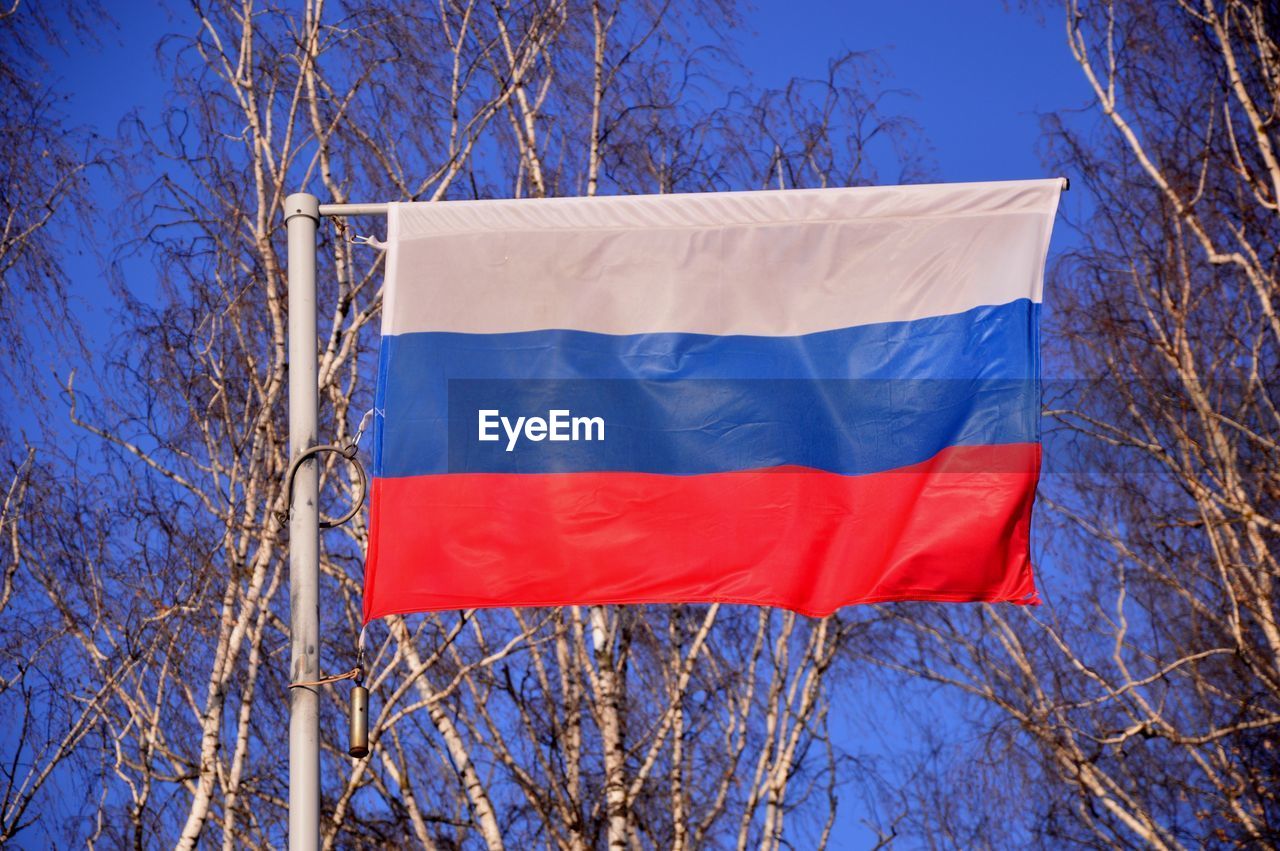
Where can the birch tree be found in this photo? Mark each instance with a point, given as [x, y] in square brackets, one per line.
[1139, 707]
[560, 728]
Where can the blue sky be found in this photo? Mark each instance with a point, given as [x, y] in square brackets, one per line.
[976, 77]
[979, 74]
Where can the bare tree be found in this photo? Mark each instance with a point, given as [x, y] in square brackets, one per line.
[50, 704]
[561, 728]
[42, 168]
[1140, 707]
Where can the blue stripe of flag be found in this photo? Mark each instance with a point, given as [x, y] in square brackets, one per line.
[854, 400]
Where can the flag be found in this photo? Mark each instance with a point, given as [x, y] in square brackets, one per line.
[804, 399]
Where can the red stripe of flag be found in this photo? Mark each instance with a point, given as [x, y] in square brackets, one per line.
[953, 528]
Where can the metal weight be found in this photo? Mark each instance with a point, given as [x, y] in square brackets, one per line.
[359, 722]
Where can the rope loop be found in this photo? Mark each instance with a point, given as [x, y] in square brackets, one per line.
[354, 674]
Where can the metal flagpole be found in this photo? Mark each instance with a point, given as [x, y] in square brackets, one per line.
[302, 218]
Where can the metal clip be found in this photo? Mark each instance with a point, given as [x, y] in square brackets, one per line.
[368, 240]
[365, 422]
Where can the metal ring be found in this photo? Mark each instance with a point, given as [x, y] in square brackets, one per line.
[348, 452]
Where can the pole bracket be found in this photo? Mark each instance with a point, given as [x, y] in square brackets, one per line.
[349, 452]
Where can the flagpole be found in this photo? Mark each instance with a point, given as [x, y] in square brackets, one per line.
[302, 218]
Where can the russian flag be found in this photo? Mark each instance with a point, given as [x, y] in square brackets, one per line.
[804, 398]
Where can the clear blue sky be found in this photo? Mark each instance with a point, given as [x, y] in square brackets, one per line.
[978, 72]
[980, 75]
